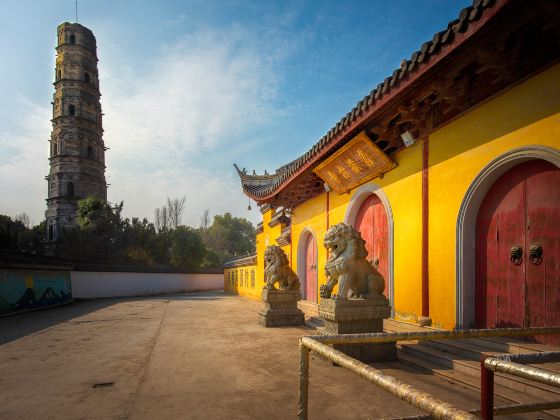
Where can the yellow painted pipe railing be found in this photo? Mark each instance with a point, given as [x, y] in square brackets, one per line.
[502, 410]
[528, 372]
[506, 363]
[431, 335]
[420, 399]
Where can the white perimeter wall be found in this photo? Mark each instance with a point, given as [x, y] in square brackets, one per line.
[90, 284]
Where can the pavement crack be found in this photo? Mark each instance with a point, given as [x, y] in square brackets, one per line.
[146, 363]
[84, 321]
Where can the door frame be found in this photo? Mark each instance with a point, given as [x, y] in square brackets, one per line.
[301, 257]
[358, 198]
[466, 219]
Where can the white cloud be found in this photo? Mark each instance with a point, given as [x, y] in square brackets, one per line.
[174, 124]
[175, 127]
[24, 161]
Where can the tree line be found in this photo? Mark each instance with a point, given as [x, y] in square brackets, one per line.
[103, 235]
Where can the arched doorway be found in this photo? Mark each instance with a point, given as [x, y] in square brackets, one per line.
[466, 222]
[307, 265]
[358, 205]
[371, 221]
[517, 250]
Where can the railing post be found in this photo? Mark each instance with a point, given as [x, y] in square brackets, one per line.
[303, 390]
[486, 391]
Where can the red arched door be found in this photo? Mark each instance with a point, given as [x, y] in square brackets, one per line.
[372, 223]
[310, 269]
[514, 288]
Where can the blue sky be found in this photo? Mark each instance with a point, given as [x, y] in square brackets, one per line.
[190, 87]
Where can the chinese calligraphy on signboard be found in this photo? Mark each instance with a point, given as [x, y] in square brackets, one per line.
[357, 162]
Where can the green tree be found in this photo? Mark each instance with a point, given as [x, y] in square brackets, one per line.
[100, 232]
[139, 242]
[187, 249]
[97, 215]
[33, 240]
[15, 235]
[210, 260]
[10, 233]
[230, 237]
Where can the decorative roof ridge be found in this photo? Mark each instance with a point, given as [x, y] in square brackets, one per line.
[243, 174]
[400, 78]
[285, 237]
[280, 217]
[241, 261]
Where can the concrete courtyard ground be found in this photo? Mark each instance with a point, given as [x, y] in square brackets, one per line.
[193, 356]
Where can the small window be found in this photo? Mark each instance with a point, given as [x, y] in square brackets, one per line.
[86, 77]
[90, 152]
[51, 232]
[54, 150]
[70, 189]
[71, 110]
[72, 39]
[58, 74]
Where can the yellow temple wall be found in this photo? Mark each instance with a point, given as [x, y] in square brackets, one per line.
[311, 216]
[266, 237]
[239, 280]
[404, 192]
[403, 187]
[527, 114]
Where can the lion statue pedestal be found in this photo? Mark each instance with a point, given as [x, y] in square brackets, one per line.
[280, 308]
[359, 306]
[355, 316]
[280, 304]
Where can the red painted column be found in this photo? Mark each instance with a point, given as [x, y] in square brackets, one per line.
[425, 238]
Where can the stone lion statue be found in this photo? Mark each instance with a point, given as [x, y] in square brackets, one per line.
[347, 265]
[277, 270]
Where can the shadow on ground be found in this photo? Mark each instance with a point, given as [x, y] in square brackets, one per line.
[17, 325]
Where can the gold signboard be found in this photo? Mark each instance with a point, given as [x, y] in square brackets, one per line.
[356, 162]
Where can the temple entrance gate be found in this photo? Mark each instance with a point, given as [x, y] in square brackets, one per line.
[518, 250]
[371, 222]
[307, 265]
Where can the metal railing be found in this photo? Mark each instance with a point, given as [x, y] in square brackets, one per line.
[417, 398]
[514, 364]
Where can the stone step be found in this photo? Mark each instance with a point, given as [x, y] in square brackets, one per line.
[512, 345]
[314, 322]
[515, 397]
[393, 325]
[461, 348]
[473, 348]
[472, 367]
[310, 309]
[496, 344]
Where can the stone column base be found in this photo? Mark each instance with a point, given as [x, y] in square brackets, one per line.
[280, 308]
[355, 316]
[425, 321]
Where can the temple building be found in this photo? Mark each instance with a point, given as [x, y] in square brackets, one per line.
[449, 168]
[77, 151]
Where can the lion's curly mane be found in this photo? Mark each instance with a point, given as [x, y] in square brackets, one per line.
[351, 236]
